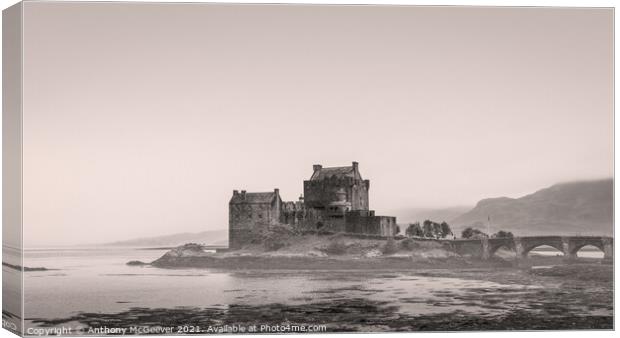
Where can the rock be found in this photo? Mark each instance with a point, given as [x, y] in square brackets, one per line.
[373, 253]
[316, 253]
[25, 268]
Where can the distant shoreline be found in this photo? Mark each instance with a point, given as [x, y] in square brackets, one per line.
[207, 247]
[25, 268]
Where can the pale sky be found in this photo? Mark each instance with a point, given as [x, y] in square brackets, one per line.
[140, 119]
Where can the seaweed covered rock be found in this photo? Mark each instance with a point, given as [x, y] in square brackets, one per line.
[189, 249]
[181, 253]
[136, 263]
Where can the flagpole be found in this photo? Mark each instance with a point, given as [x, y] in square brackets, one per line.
[489, 226]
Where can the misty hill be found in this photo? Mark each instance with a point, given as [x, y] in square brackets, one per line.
[411, 215]
[213, 237]
[584, 207]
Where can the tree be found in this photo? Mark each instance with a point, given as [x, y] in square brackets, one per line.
[414, 230]
[503, 234]
[473, 233]
[437, 233]
[436, 230]
[445, 230]
[428, 229]
[467, 232]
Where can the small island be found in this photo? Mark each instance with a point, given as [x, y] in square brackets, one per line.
[332, 227]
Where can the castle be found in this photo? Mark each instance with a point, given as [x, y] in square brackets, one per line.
[334, 199]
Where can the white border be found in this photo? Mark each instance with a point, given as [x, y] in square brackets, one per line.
[504, 3]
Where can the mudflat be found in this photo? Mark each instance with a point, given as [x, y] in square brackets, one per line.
[558, 296]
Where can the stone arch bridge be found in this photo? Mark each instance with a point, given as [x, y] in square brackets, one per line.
[568, 245]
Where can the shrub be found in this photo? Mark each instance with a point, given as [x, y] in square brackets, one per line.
[274, 244]
[414, 230]
[390, 247]
[336, 247]
[409, 244]
[503, 234]
[276, 237]
[473, 233]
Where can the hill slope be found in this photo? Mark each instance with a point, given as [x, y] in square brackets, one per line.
[584, 207]
[410, 215]
[213, 237]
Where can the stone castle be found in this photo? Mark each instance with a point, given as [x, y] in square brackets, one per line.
[334, 199]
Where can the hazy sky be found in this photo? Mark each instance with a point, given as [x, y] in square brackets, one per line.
[140, 119]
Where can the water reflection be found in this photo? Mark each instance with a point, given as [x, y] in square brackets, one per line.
[97, 284]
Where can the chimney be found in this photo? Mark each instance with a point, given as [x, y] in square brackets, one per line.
[235, 192]
[355, 166]
[243, 194]
[276, 191]
[317, 167]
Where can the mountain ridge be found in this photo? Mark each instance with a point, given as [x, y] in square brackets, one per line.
[577, 207]
[209, 237]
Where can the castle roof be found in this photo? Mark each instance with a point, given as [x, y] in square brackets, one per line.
[339, 172]
[253, 197]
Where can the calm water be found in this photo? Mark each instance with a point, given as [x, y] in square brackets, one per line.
[99, 281]
[581, 253]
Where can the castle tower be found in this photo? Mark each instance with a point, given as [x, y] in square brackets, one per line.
[330, 185]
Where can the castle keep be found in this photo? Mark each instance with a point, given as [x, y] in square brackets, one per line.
[335, 199]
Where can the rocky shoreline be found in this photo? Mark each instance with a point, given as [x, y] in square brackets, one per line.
[193, 256]
[316, 263]
[25, 268]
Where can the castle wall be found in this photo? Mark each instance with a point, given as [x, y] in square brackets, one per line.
[368, 223]
[293, 213]
[319, 194]
[311, 219]
[359, 195]
[246, 220]
[321, 220]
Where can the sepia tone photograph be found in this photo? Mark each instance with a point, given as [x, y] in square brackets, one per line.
[204, 168]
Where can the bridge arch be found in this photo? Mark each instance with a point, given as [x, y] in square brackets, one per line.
[575, 251]
[580, 246]
[528, 244]
[493, 249]
[494, 244]
[527, 251]
[602, 244]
